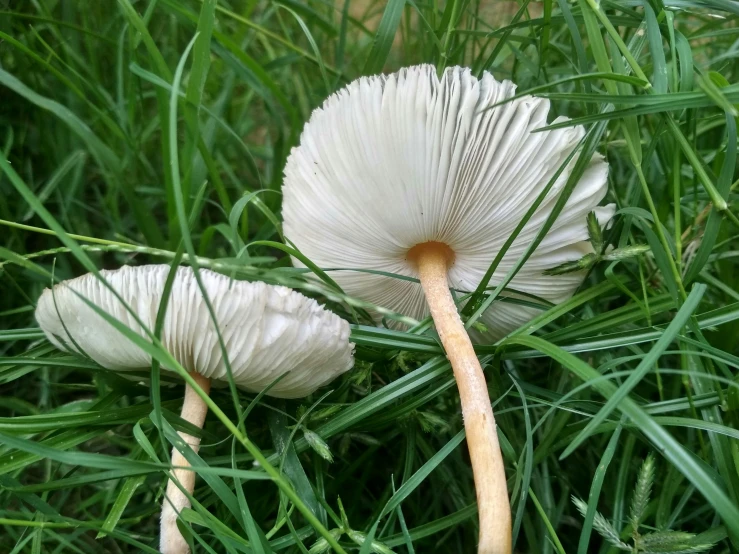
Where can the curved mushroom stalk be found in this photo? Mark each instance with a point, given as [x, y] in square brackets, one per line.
[494, 510]
[194, 410]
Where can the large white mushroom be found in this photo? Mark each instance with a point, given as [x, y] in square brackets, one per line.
[268, 331]
[426, 177]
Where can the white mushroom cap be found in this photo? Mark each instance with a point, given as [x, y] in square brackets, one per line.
[393, 161]
[268, 330]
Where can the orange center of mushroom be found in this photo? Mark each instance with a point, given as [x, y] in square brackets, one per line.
[431, 249]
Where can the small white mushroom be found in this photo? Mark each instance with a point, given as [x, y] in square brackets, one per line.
[427, 177]
[269, 331]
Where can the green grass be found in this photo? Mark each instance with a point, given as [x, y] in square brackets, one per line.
[157, 131]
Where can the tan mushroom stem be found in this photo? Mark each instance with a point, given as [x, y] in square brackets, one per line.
[194, 410]
[432, 260]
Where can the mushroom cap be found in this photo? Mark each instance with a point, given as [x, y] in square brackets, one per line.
[392, 161]
[268, 330]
